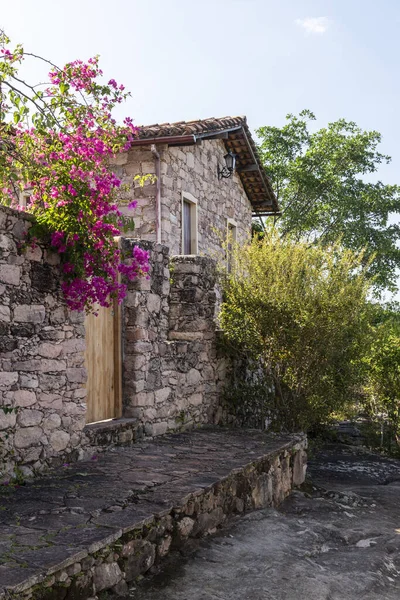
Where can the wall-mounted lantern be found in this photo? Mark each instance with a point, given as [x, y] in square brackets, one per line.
[227, 170]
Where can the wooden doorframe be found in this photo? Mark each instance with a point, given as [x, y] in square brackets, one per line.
[117, 358]
[118, 346]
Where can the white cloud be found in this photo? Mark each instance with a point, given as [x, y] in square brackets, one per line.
[314, 24]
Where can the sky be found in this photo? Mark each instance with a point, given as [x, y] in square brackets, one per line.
[190, 59]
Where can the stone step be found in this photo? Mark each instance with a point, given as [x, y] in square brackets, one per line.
[99, 524]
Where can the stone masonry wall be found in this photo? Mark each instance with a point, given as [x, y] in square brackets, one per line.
[190, 169]
[193, 169]
[138, 162]
[171, 376]
[41, 357]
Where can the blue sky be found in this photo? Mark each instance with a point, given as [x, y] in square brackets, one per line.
[188, 59]
[185, 59]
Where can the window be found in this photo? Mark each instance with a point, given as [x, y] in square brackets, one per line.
[189, 224]
[231, 241]
[24, 199]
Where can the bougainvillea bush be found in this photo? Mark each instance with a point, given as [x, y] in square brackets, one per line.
[56, 142]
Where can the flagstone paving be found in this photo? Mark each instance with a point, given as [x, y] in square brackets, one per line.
[56, 521]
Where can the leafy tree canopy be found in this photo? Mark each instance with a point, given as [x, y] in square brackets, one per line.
[322, 185]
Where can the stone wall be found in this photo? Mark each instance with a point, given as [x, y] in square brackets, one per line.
[41, 357]
[171, 376]
[190, 169]
[127, 166]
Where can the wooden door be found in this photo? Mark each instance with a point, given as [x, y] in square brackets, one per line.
[103, 364]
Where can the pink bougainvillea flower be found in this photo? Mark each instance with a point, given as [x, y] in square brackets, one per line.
[72, 189]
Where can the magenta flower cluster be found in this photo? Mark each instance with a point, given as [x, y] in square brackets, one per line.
[73, 192]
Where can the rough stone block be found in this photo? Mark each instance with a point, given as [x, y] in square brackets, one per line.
[58, 316]
[193, 377]
[10, 274]
[27, 436]
[5, 314]
[73, 345]
[34, 253]
[159, 428]
[44, 365]
[153, 303]
[7, 244]
[141, 559]
[23, 398]
[77, 375]
[29, 418]
[299, 467]
[190, 160]
[106, 576]
[53, 421]
[208, 521]
[195, 399]
[7, 420]
[8, 378]
[164, 546]
[186, 335]
[143, 399]
[48, 350]
[59, 440]
[262, 493]
[29, 381]
[162, 395]
[7, 344]
[185, 527]
[33, 313]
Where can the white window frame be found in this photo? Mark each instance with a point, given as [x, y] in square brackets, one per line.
[194, 237]
[23, 199]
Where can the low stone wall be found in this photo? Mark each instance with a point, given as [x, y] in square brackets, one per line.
[41, 357]
[139, 538]
[171, 375]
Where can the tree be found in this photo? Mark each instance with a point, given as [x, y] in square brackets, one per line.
[382, 387]
[56, 141]
[299, 313]
[320, 181]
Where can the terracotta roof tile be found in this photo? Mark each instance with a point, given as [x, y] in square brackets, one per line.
[211, 125]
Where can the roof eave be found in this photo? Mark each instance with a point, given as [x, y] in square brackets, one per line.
[269, 204]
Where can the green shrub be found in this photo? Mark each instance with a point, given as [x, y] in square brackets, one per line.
[382, 388]
[300, 312]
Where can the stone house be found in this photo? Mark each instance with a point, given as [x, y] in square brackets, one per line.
[150, 366]
[194, 199]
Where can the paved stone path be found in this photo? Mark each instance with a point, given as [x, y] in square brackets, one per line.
[53, 521]
[339, 541]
